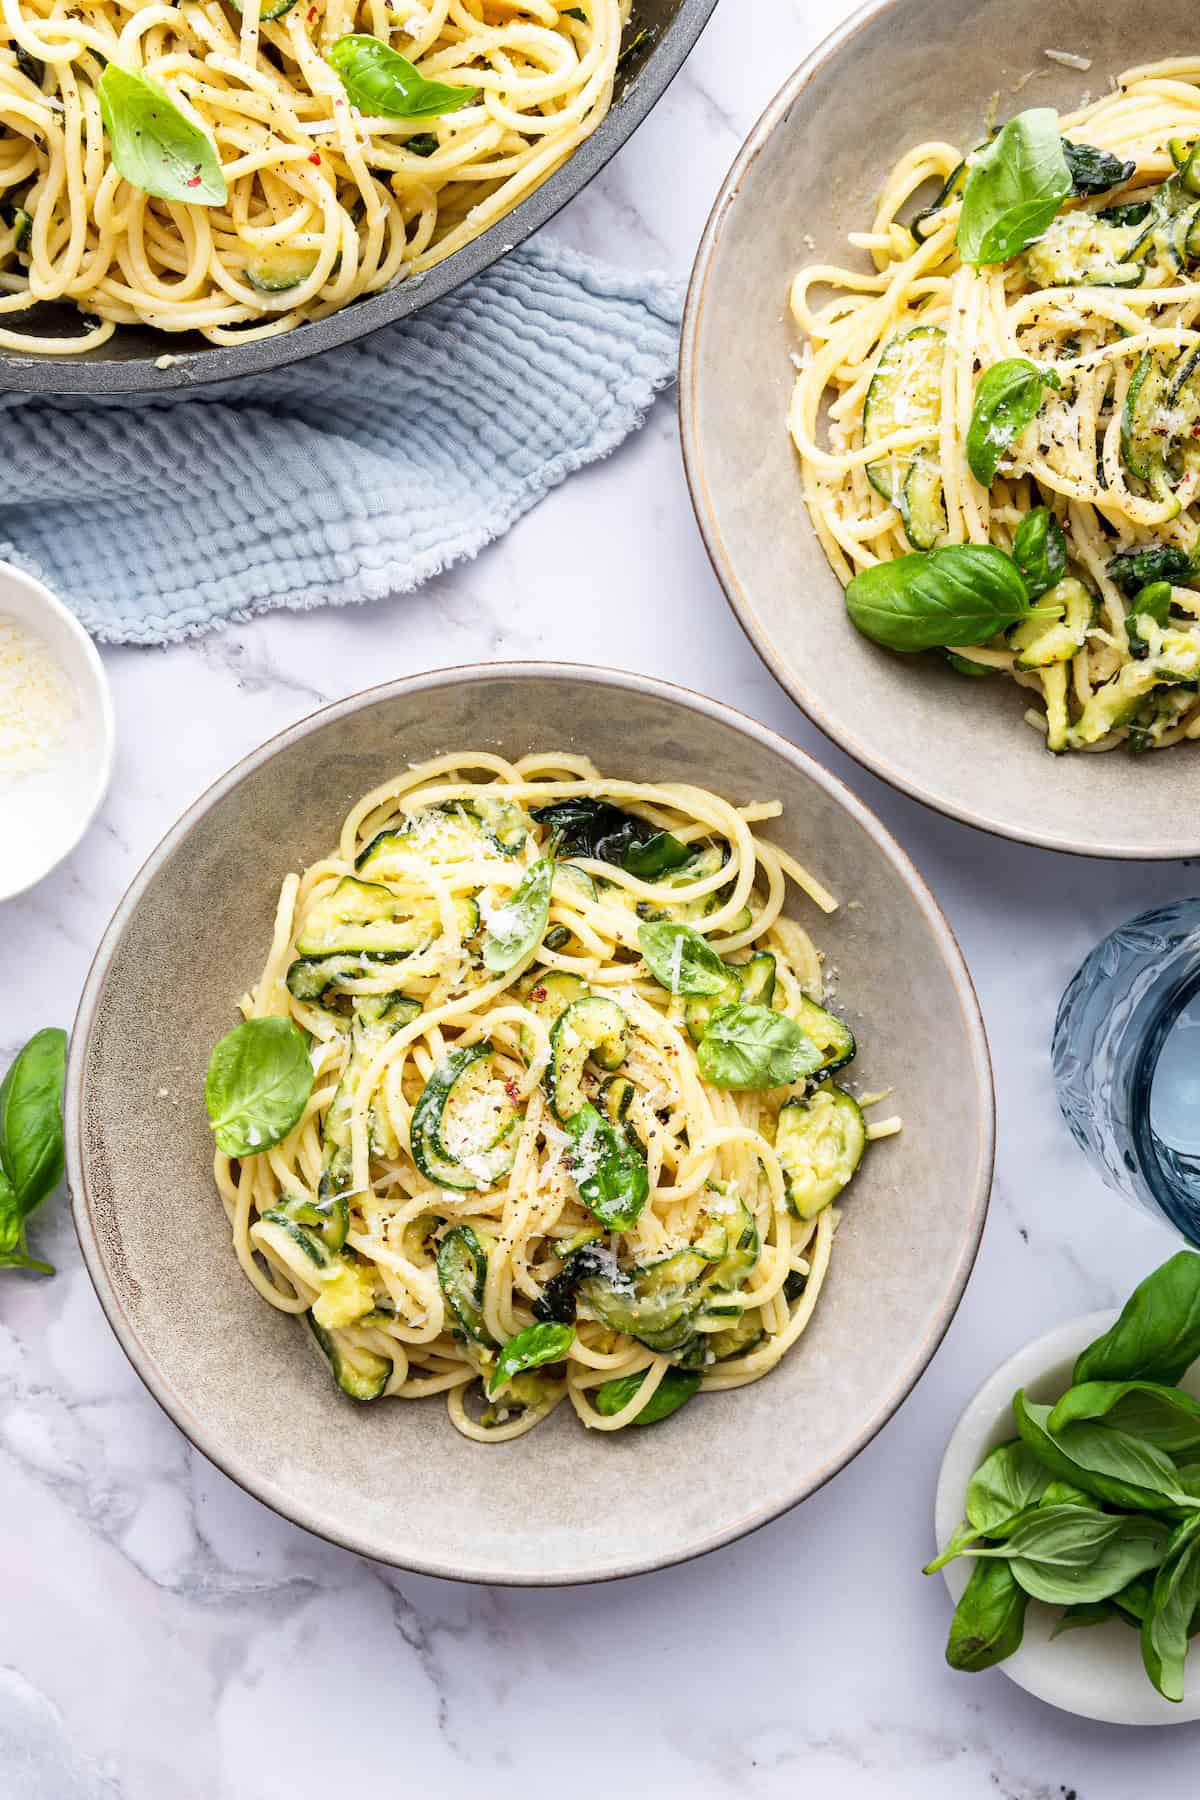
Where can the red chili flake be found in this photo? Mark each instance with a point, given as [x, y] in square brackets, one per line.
[315, 157]
[194, 181]
[312, 13]
[512, 1090]
[539, 993]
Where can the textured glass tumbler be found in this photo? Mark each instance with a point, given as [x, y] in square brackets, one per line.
[1127, 1061]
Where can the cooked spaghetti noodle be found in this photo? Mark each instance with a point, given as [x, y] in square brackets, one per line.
[1107, 303]
[324, 203]
[423, 1251]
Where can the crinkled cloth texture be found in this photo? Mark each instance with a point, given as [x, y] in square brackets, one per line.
[356, 474]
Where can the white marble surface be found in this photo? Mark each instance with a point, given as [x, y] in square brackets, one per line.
[163, 1637]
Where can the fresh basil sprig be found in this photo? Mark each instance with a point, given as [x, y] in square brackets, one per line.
[928, 600]
[748, 1046]
[530, 1349]
[1094, 171]
[518, 926]
[1014, 187]
[1040, 551]
[1007, 399]
[1163, 1416]
[1170, 1618]
[31, 1141]
[155, 146]
[673, 1391]
[682, 960]
[609, 1171]
[989, 1620]
[384, 84]
[1112, 1465]
[1157, 1337]
[259, 1079]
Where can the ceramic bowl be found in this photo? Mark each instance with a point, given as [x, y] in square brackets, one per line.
[43, 815]
[893, 76]
[395, 1481]
[1097, 1673]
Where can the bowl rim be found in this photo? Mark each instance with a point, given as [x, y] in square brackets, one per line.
[55, 377]
[97, 675]
[269, 1492]
[837, 729]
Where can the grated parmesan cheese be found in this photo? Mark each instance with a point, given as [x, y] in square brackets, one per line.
[37, 702]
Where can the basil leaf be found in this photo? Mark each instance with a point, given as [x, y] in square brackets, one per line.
[1040, 551]
[1141, 564]
[1157, 1337]
[746, 1046]
[1006, 401]
[595, 828]
[13, 1253]
[1064, 1493]
[1084, 1613]
[558, 1297]
[673, 1391]
[31, 1130]
[989, 1619]
[155, 146]
[383, 84]
[1015, 185]
[1109, 1464]
[1094, 171]
[959, 1545]
[518, 926]
[1004, 1484]
[960, 594]
[422, 143]
[529, 1349]
[680, 959]
[1167, 1624]
[609, 1172]
[1151, 602]
[1163, 1416]
[1136, 1598]
[257, 1087]
[1068, 1555]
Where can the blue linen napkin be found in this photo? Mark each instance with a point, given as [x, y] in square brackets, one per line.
[347, 477]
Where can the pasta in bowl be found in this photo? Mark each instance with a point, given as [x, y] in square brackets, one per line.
[580, 1112]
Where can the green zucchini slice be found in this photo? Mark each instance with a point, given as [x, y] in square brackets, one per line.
[819, 1141]
[368, 919]
[832, 1036]
[752, 981]
[276, 270]
[504, 824]
[590, 1029]
[736, 1339]
[359, 1373]
[906, 391]
[926, 221]
[311, 978]
[1040, 642]
[462, 1275]
[1145, 444]
[547, 993]
[464, 1126]
[271, 9]
[445, 834]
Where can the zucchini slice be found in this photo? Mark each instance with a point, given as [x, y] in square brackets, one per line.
[366, 918]
[1174, 660]
[660, 1314]
[271, 9]
[276, 270]
[547, 993]
[1159, 713]
[926, 221]
[345, 1289]
[445, 834]
[1145, 434]
[742, 1251]
[752, 981]
[832, 1036]
[819, 1141]
[905, 391]
[1040, 642]
[312, 977]
[736, 1339]
[462, 1275]
[464, 1127]
[359, 1373]
[590, 1029]
[504, 824]
[1081, 249]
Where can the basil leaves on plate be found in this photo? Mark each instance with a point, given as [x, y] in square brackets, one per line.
[1014, 187]
[519, 924]
[582, 826]
[155, 145]
[928, 600]
[384, 84]
[31, 1141]
[747, 1046]
[530, 1349]
[1094, 1508]
[609, 1171]
[259, 1079]
[1007, 399]
[1040, 551]
[680, 959]
[673, 1391]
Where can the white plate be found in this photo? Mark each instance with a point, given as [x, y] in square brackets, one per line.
[1096, 1673]
[63, 809]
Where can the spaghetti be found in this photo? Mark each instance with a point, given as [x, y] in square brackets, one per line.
[441, 1204]
[1106, 305]
[324, 203]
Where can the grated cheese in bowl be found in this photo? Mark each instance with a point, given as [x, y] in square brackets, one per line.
[37, 702]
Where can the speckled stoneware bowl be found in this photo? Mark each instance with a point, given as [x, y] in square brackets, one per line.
[893, 76]
[395, 1481]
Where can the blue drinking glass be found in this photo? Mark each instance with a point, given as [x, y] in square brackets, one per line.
[1127, 1061]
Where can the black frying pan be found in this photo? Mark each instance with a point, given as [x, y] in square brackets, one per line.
[126, 363]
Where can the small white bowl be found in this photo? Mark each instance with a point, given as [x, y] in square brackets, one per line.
[1096, 1673]
[66, 802]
